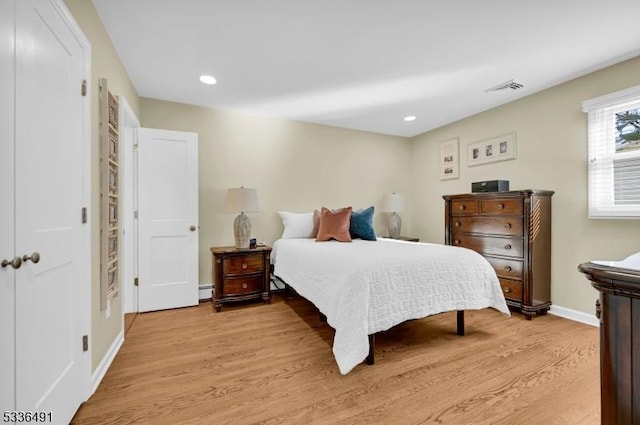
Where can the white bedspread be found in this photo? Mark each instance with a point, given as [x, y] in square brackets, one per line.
[365, 287]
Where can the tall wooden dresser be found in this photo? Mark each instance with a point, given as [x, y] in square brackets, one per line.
[512, 230]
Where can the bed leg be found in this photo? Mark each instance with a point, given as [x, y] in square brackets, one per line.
[372, 342]
[461, 322]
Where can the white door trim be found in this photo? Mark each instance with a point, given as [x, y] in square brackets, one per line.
[129, 124]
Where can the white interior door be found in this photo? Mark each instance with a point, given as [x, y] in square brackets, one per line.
[167, 219]
[7, 273]
[49, 189]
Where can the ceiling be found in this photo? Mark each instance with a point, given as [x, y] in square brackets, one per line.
[364, 64]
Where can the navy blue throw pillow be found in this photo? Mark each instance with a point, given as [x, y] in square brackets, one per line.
[361, 225]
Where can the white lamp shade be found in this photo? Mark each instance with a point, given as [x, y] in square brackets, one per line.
[242, 199]
[393, 202]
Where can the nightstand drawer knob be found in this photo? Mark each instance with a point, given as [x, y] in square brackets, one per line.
[462, 207]
[244, 266]
[507, 268]
[244, 285]
[507, 246]
[458, 224]
[456, 242]
[500, 206]
[507, 290]
[507, 226]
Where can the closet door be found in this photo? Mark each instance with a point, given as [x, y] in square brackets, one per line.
[48, 203]
[7, 273]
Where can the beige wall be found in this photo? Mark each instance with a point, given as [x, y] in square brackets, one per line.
[294, 167]
[551, 154]
[105, 63]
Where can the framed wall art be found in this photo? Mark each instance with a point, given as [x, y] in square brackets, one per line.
[449, 160]
[500, 148]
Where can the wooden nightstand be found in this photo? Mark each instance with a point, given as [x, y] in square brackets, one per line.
[240, 274]
[409, 239]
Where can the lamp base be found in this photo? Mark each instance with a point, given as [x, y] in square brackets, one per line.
[242, 230]
[395, 222]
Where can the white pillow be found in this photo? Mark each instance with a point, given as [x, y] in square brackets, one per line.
[296, 225]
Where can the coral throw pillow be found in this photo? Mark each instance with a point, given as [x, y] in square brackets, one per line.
[334, 225]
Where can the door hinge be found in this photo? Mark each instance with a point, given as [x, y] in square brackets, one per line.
[135, 147]
[85, 342]
[135, 281]
[84, 215]
[84, 87]
[135, 215]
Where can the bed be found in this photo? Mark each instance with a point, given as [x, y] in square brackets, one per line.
[365, 287]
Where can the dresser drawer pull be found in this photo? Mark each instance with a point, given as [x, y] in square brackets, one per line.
[507, 290]
[507, 268]
[500, 206]
[507, 226]
[244, 285]
[458, 224]
[244, 266]
[507, 246]
[456, 242]
[462, 207]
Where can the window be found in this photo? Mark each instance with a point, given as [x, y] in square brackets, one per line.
[614, 154]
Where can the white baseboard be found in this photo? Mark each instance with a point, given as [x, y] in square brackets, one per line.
[204, 291]
[104, 365]
[574, 315]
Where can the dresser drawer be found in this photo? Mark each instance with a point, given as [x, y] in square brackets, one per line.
[507, 268]
[464, 207]
[501, 206]
[508, 226]
[510, 247]
[239, 286]
[511, 289]
[242, 264]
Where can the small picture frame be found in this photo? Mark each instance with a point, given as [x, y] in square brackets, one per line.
[500, 148]
[449, 159]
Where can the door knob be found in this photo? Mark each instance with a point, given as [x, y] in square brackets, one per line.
[193, 227]
[35, 257]
[15, 263]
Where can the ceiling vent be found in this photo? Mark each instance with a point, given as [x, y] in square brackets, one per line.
[512, 85]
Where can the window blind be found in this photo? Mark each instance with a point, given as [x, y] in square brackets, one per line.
[614, 154]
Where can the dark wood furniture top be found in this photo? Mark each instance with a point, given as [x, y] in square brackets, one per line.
[619, 311]
[512, 230]
[408, 239]
[240, 274]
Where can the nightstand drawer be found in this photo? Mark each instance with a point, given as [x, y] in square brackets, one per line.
[240, 286]
[511, 289]
[508, 226]
[242, 264]
[511, 247]
[506, 268]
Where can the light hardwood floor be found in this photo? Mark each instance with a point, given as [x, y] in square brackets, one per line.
[272, 364]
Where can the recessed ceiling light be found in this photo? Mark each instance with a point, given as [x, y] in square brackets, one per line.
[207, 79]
[410, 118]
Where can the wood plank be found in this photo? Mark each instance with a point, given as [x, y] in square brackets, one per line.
[273, 364]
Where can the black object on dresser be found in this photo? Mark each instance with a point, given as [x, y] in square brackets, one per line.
[512, 230]
[490, 186]
[240, 274]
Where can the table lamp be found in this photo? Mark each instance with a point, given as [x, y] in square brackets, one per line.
[242, 200]
[394, 203]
